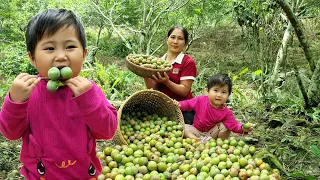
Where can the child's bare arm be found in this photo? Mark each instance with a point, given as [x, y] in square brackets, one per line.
[190, 135]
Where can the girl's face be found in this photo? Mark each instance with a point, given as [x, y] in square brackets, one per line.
[218, 95]
[59, 50]
[176, 41]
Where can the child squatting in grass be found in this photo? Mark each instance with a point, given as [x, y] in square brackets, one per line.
[213, 118]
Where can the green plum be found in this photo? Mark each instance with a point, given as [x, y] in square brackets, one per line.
[52, 85]
[247, 126]
[53, 73]
[66, 73]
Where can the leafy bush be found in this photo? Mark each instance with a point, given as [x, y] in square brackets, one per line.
[4, 87]
[117, 84]
[9, 153]
[112, 47]
[15, 61]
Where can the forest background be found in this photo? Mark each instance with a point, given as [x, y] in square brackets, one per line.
[270, 48]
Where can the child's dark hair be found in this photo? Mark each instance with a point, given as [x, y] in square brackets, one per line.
[184, 30]
[48, 23]
[219, 79]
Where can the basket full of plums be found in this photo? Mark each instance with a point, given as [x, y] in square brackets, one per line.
[147, 65]
[148, 112]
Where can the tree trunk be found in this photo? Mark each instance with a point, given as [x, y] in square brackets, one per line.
[302, 88]
[97, 42]
[299, 32]
[282, 53]
[314, 87]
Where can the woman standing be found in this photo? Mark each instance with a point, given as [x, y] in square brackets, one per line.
[178, 83]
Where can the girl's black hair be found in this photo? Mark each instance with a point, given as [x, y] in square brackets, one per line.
[184, 30]
[219, 79]
[48, 23]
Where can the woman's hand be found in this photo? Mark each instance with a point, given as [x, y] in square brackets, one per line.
[22, 87]
[161, 79]
[78, 85]
[150, 83]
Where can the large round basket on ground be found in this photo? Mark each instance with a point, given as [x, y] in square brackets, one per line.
[147, 65]
[146, 113]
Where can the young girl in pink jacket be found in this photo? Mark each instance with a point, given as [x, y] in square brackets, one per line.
[213, 118]
[58, 129]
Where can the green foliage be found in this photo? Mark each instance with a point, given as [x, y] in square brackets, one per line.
[315, 150]
[282, 100]
[269, 158]
[241, 97]
[290, 142]
[115, 83]
[245, 70]
[148, 21]
[9, 153]
[253, 13]
[120, 50]
[15, 61]
[302, 175]
[4, 87]
[200, 83]
[114, 47]
[314, 114]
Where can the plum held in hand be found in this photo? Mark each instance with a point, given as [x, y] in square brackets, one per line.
[54, 73]
[247, 126]
[66, 73]
[52, 85]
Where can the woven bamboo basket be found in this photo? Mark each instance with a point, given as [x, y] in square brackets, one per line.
[151, 101]
[145, 72]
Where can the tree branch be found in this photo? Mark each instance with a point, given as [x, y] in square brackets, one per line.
[167, 9]
[127, 44]
[313, 90]
[302, 88]
[299, 32]
[180, 6]
[157, 49]
[282, 53]
[150, 38]
[129, 28]
[160, 13]
[150, 11]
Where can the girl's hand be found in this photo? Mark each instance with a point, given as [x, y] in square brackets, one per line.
[161, 79]
[248, 127]
[78, 85]
[22, 87]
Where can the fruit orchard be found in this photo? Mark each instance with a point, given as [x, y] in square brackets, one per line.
[271, 49]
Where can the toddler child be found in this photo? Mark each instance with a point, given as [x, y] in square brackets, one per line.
[213, 118]
[58, 129]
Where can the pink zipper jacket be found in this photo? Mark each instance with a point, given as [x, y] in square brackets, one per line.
[207, 117]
